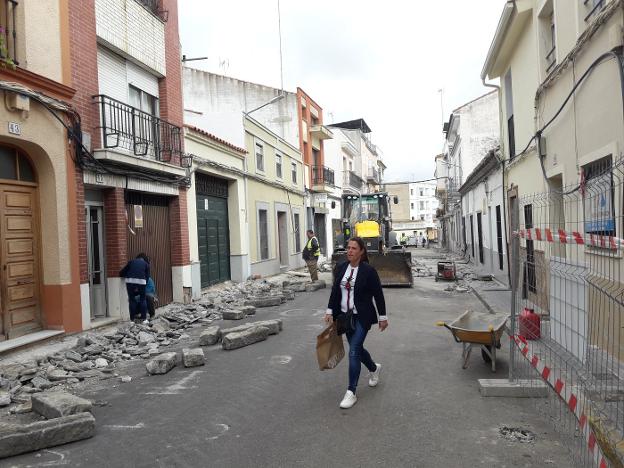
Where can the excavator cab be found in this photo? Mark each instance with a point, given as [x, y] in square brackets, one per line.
[368, 216]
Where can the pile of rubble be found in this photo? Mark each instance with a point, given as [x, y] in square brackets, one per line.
[95, 356]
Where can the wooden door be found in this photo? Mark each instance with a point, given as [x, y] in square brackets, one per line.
[19, 274]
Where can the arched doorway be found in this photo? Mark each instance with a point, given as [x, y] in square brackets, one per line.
[19, 245]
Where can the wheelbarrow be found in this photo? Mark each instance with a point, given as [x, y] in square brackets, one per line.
[483, 329]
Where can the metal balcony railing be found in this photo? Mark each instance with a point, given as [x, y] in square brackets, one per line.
[8, 32]
[146, 135]
[353, 180]
[373, 175]
[154, 7]
[322, 175]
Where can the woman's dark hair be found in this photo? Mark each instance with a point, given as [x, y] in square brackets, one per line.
[362, 245]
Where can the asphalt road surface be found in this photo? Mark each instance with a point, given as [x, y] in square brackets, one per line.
[268, 405]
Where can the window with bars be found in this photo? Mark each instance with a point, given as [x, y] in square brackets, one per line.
[263, 230]
[598, 197]
[592, 8]
[297, 232]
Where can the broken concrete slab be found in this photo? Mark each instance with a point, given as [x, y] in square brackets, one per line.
[193, 357]
[521, 388]
[274, 326]
[297, 287]
[56, 404]
[210, 336]
[264, 301]
[161, 364]
[248, 309]
[5, 398]
[245, 338]
[315, 286]
[233, 315]
[17, 439]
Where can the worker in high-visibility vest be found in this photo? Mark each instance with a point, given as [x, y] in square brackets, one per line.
[311, 254]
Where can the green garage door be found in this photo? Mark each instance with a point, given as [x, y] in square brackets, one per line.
[212, 230]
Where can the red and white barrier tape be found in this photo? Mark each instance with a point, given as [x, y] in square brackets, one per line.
[566, 393]
[574, 237]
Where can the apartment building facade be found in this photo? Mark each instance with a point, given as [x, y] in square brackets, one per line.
[131, 192]
[472, 131]
[39, 274]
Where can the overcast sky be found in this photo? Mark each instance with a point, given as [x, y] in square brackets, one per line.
[382, 61]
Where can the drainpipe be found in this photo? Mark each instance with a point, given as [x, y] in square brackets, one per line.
[502, 162]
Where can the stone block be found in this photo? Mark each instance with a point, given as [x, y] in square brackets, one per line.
[249, 310]
[210, 336]
[56, 404]
[316, 285]
[145, 338]
[269, 301]
[193, 357]
[233, 315]
[274, 327]
[5, 398]
[289, 295]
[245, 338]
[298, 287]
[17, 439]
[161, 364]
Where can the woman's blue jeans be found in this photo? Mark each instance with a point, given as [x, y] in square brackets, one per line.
[358, 355]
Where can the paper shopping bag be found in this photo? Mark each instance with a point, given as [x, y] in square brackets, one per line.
[329, 348]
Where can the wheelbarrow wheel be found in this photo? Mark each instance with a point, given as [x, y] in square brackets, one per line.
[485, 356]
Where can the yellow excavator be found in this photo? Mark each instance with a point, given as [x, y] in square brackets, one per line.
[368, 216]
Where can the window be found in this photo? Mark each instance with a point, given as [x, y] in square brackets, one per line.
[15, 166]
[294, 172]
[413, 219]
[263, 230]
[351, 165]
[421, 192]
[344, 164]
[411, 191]
[316, 157]
[422, 217]
[551, 56]
[297, 232]
[499, 237]
[511, 133]
[593, 8]
[422, 205]
[412, 206]
[278, 165]
[598, 206]
[143, 101]
[259, 157]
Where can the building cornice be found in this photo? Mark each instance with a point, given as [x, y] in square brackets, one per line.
[38, 83]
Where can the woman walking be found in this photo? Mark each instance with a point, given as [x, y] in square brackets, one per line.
[355, 285]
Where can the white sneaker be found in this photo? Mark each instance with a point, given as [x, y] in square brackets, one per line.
[373, 377]
[146, 322]
[349, 400]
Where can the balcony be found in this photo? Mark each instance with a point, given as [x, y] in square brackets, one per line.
[136, 133]
[352, 180]
[8, 32]
[373, 176]
[153, 6]
[322, 178]
[321, 132]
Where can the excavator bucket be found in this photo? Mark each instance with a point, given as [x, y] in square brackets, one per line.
[394, 267]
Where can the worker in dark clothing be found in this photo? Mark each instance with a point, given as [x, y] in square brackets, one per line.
[311, 253]
[136, 272]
